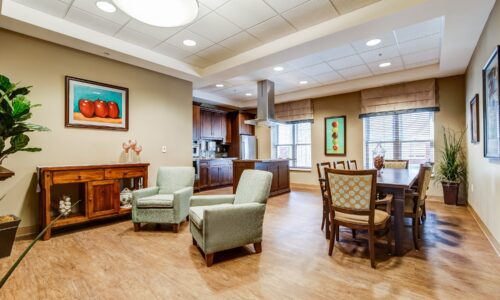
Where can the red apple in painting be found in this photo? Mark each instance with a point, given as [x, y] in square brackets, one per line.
[335, 124]
[101, 108]
[113, 110]
[86, 108]
[335, 147]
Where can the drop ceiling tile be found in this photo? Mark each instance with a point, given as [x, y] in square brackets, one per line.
[177, 41]
[214, 27]
[355, 72]
[272, 29]
[172, 51]
[91, 21]
[387, 39]
[310, 13]
[197, 61]
[89, 6]
[346, 62]
[396, 65]
[246, 13]
[422, 64]
[430, 27]
[305, 61]
[213, 4]
[137, 38]
[336, 53]
[317, 69]
[241, 42]
[329, 78]
[422, 44]
[345, 6]
[418, 57]
[52, 7]
[161, 33]
[215, 53]
[284, 5]
[380, 54]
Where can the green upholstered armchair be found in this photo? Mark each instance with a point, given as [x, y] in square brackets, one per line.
[224, 222]
[168, 202]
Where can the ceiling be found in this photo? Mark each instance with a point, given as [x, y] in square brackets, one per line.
[240, 42]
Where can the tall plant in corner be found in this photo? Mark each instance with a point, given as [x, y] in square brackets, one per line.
[452, 169]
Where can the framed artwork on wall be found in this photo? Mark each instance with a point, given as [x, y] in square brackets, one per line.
[335, 136]
[474, 119]
[91, 104]
[491, 108]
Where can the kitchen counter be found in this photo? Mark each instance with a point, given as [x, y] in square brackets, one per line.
[262, 160]
[278, 167]
[213, 158]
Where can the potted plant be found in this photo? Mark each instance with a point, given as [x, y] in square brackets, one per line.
[15, 111]
[452, 169]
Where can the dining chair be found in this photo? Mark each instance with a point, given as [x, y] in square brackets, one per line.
[322, 186]
[339, 165]
[353, 198]
[396, 164]
[415, 202]
[321, 167]
[352, 164]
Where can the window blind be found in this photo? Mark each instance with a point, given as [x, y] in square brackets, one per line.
[403, 136]
[293, 142]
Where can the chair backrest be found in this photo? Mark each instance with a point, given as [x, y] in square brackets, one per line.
[424, 179]
[171, 179]
[352, 164]
[321, 167]
[254, 186]
[352, 192]
[340, 165]
[395, 164]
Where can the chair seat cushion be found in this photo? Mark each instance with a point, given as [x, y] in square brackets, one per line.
[156, 201]
[196, 214]
[380, 218]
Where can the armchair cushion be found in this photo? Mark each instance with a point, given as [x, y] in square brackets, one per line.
[171, 179]
[211, 200]
[156, 201]
[254, 186]
[380, 218]
[196, 214]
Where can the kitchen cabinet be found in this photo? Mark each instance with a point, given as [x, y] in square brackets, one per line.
[238, 127]
[245, 128]
[196, 122]
[278, 167]
[203, 175]
[214, 173]
[213, 124]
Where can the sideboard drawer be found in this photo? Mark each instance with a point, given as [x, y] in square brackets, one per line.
[59, 177]
[117, 173]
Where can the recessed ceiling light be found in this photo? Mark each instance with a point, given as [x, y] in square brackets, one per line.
[219, 85]
[385, 65]
[278, 68]
[248, 94]
[303, 82]
[105, 6]
[189, 43]
[171, 13]
[373, 42]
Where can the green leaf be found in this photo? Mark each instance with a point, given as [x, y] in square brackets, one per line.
[20, 91]
[2, 144]
[19, 141]
[5, 84]
[34, 127]
[31, 149]
[20, 106]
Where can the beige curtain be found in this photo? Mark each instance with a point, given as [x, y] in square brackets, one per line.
[403, 97]
[296, 111]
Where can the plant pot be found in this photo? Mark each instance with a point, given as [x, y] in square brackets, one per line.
[450, 192]
[7, 235]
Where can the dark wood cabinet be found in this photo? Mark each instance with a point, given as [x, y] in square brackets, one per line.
[203, 175]
[226, 174]
[102, 197]
[213, 124]
[196, 122]
[238, 127]
[278, 167]
[218, 122]
[214, 176]
[206, 123]
[245, 128]
[215, 173]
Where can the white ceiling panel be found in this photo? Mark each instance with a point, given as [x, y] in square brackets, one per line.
[336, 53]
[346, 62]
[241, 42]
[89, 6]
[329, 78]
[317, 69]
[310, 13]
[284, 5]
[91, 21]
[213, 4]
[215, 53]
[197, 61]
[52, 7]
[396, 65]
[380, 54]
[355, 72]
[272, 29]
[214, 27]
[345, 6]
[422, 44]
[137, 38]
[422, 64]
[430, 27]
[172, 51]
[306, 61]
[387, 39]
[177, 41]
[246, 13]
[429, 55]
[161, 33]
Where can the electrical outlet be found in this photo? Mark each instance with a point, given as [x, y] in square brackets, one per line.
[164, 149]
[472, 188]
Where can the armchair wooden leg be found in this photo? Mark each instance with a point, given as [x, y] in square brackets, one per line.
[187, 218]
[389, 240]
[258, 247]
[337, 233]
[332, 239]
[137, 227]
[175, 228]
[209, 258]
[194, 242]
[353, 233]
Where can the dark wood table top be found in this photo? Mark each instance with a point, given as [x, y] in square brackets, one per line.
[397, 178]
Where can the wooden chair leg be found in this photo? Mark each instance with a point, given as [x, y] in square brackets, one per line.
[194, 242]
[389, 239]
[187, 218]
[258, 247]
[353, 233]
[337, 233]
[327, 225]
[209, 259]
[332, 238]
[175, 228]
[371, 246]
[415, 232]
[323, 221]
[424, 213]
[137, 227]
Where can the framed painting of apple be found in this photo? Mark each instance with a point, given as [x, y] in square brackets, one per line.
[91, 104]
[335, 136]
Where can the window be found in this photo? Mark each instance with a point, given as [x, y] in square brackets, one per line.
[292, 141]
[404, 136]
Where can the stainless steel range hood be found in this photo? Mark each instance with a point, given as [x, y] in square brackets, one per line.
[265, 105]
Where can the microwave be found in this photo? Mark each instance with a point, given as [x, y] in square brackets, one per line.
[196, 150]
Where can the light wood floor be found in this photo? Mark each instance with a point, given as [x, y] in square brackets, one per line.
[112, 261]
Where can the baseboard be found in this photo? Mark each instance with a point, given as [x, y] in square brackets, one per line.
[304, 186]
[23, 232]
[494, 243]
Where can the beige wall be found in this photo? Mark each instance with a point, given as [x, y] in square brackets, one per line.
[484, 174]
[451, 92]
[160, 114]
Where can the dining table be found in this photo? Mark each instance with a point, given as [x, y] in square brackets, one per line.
[397, 182]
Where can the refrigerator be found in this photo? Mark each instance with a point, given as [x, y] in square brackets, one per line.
[248, 147]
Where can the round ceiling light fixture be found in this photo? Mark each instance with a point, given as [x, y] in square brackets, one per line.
[385, 65]
[248, 94]
[189, 43]
[105, 6]
[278, 68]
[219, 85]
[160, 13]
[302, 82]
[373, 42]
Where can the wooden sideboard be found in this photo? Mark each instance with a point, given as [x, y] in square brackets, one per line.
[278, 167]
[97, 186]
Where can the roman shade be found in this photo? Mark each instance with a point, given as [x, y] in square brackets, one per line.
[405, 97]
[295, 111]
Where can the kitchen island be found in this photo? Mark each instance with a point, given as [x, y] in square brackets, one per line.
[278, 167]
